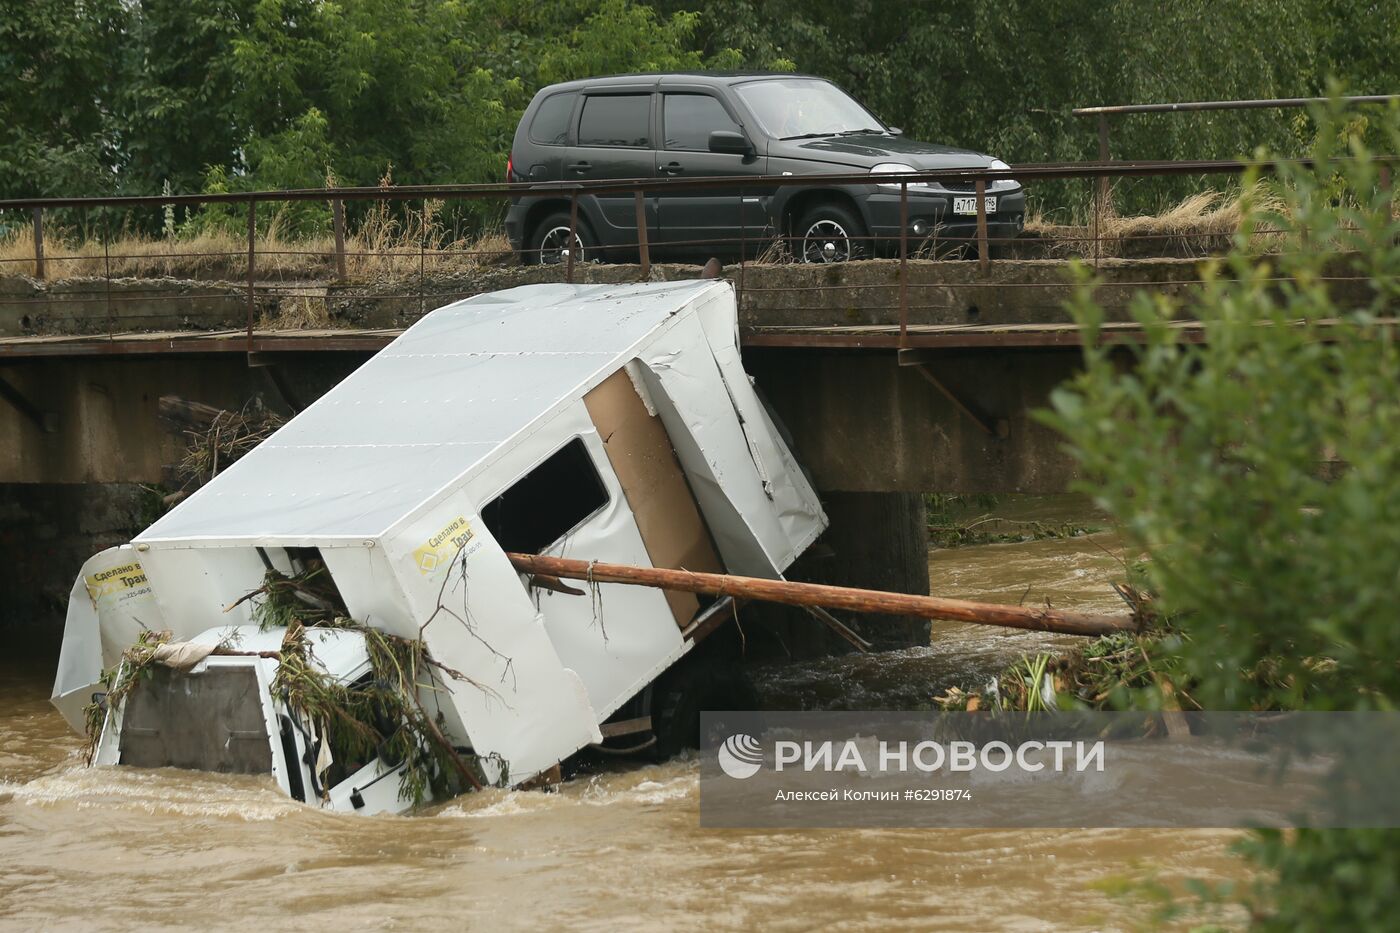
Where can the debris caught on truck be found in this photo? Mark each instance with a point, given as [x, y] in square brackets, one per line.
[338, 609]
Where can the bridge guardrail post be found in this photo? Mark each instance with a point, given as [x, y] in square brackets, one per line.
[1104, 192]
[338, 222]
[252, 231]
[743, 246]
[39, 243]
[643, 249]
[107, 274]
[983, 258]
[422, 260]
[903, 263]
[1097, 245]
[573, 238]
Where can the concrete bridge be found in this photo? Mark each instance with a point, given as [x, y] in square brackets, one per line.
[892, 386]
[85, 360]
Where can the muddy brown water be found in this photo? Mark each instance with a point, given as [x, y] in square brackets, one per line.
[116, 848]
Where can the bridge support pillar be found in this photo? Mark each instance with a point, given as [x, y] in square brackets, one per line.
[876, 540]
[47, 530]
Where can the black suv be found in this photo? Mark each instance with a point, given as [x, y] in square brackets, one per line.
[704, 125]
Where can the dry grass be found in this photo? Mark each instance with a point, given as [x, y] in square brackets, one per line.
[205, 255]
[775, 252]
[387, 243]
[305, 311]
[391, 244]
[1198, 225]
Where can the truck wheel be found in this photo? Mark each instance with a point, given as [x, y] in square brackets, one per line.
[829, 232]
[549, 244]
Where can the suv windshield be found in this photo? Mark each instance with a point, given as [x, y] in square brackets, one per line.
[791, 108]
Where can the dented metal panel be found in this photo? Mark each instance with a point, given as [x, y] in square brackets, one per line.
[111, 603]
[388, 475]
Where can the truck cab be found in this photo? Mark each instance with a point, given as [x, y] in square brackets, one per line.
[221, 715]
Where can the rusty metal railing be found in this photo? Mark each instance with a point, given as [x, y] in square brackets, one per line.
[1101, 114]
[910, 246]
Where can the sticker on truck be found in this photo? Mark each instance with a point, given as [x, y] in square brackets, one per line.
[443, 546]
[124, 581]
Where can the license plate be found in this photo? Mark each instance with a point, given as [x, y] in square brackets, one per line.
[969, 205]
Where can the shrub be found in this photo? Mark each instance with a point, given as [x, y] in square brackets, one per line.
[1260, 468]
[1261, 472]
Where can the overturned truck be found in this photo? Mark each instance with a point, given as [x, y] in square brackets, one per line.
[609, 422]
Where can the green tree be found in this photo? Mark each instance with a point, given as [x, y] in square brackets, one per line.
[57, 134]
[1259, 471]
[435, 89]
[124, 96]
[1002, 76]
[297, 157]
[127, 95]
[428, 92]
[1357, 43]
[1258, 468]
[395, 85]
[176, 102]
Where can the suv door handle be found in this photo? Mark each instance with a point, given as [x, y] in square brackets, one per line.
[580, 167]
[671, 168]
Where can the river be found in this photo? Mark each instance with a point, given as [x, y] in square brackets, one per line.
[117, 849]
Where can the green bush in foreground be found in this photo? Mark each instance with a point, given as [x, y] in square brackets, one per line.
[1260, 471]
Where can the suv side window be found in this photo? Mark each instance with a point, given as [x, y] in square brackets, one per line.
[616, 120]
[687, 120]
[550, 126]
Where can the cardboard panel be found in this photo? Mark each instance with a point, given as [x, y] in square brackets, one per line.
[661, 501]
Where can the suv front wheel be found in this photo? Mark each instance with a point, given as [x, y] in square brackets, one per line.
[829, 233]
[550, 243]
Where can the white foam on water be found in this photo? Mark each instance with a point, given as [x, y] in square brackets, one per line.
[177, 793]
[492, 802]
[648, 786]
[645, 792]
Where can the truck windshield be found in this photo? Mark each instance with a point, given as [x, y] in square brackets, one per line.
[796, 108]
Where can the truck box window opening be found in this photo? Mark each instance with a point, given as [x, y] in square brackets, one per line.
[547, 503]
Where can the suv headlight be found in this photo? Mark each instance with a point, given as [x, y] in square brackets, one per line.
[1001, 184]
[896, 168]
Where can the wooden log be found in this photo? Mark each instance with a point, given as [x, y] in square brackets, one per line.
[828, 597]
[182, 414]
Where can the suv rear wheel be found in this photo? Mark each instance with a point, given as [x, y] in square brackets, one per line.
[549, 244]
[829, 233]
